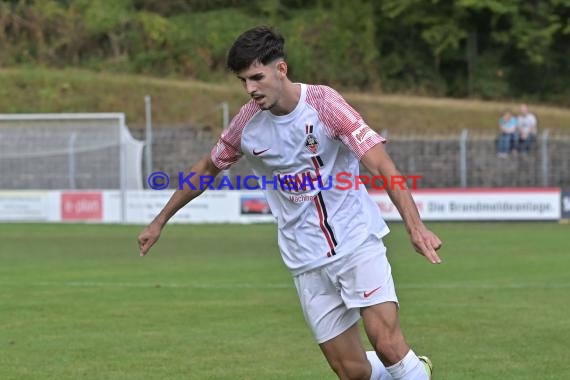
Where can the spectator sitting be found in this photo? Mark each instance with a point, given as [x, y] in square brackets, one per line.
[526, 129]
[508, 134]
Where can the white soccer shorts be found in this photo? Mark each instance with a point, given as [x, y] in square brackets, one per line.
[331, 296]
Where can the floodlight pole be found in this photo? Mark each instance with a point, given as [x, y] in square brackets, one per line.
[225, 115]
[544, 157]
[71, 160]
[225, 122]
[463, 158]
[148, 134]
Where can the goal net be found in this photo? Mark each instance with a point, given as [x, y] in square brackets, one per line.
[68, 151]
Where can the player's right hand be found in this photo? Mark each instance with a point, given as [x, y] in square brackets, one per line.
[148, 237]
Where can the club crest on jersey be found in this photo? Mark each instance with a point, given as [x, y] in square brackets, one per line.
[311, 143]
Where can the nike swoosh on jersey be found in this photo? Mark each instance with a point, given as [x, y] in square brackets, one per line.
[368, 294]
[260, 152]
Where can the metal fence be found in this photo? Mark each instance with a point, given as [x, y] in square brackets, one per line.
[465, 159]
[471, 160]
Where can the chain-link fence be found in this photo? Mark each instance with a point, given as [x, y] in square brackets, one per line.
[462, 160]
[471, 160]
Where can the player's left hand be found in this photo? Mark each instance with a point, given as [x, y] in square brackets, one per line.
[148, 237]
[426, 243]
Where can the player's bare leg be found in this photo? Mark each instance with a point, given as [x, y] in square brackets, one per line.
[347, 358]
[384, 332]
[346, 355]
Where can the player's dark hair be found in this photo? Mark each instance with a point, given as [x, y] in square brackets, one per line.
[261, 44]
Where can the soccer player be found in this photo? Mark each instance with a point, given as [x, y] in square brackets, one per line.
[330, 240]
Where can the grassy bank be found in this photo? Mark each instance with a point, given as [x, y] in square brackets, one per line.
[188, 102]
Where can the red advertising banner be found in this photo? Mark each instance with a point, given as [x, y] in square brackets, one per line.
[80, 206]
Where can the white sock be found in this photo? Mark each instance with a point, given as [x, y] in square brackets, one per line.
[378, 370]
[409, 368]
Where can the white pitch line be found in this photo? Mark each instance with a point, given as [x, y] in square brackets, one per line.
[87, 284]
[454, 285]
[486, 286]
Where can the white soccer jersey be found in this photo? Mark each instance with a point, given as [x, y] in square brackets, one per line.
[527, 125]
[299, 158]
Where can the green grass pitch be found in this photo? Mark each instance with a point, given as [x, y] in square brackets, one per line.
[215, 302]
